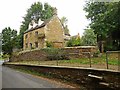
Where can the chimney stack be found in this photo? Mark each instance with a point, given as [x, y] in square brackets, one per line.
[55, 11]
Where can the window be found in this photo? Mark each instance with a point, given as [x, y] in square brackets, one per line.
[26, 36]
[26, 45]
[36, 44]
[30, 34]
[36, 33]
[31, 45]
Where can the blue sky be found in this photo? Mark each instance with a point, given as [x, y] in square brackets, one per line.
[12, 12]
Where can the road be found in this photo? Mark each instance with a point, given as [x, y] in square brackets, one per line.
[15, 79]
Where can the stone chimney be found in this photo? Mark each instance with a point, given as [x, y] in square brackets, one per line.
[55, 11]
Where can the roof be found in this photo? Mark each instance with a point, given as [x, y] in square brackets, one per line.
[38, 26]
[76, 36]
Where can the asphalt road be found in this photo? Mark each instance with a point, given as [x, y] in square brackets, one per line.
[15, 79]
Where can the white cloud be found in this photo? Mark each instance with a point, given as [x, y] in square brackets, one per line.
[12, 12]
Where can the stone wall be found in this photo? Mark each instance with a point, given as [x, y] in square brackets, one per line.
[81, 51]
[79, 76]
[29, 55]
[54, 32]
[71, 52]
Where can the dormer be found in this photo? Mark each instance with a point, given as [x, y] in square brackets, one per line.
[40, 22]
[34, 23]
[30, 25]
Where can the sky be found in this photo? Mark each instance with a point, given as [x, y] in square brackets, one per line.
[13, 11]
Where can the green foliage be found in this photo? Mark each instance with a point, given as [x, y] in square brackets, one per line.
[47, 12]
[5, 56]
[96, 54]
[49, 44]
[64, 21]
[55, 54]
[73, 42]
[89, 38]
[35, 12]
[9, 40]
[104, 20]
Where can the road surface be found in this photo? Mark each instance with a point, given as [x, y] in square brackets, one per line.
[16, 79]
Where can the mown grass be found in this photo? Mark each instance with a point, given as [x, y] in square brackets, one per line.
[95, 60]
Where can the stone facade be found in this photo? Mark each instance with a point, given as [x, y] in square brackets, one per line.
[49, 31]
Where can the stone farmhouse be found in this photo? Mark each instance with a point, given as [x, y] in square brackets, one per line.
[48, 31]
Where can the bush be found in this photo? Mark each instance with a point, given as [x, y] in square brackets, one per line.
[56, 54]
[5, 56]
[49, 44]
[73, 42]
[97, 53]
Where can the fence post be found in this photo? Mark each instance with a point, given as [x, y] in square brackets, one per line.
[57, 62]
[118, 61]
[107, 59]
[90, 59]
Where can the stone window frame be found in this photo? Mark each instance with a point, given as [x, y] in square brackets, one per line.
[26, 36]
[36, 33]
[36, 44]
[30, 45]
[26, 45]
[30, 34]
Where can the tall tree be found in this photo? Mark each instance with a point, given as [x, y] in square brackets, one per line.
[8, 40]
[64, 22]
[35, 12]
[88, 38]
[104, 19]
[47, 12]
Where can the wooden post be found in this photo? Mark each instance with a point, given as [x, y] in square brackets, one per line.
[90, 59]
[118, 61]
[107, 59]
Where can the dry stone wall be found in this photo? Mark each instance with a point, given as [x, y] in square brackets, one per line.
[72, 53]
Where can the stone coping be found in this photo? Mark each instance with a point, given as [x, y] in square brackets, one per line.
[52, 66]
[81, 47]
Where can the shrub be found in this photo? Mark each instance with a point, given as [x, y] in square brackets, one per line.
[56, 54]
[5, 56]
[73, 42]
[97, 53]
[49, 44]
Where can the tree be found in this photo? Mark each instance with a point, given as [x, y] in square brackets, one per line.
[47, 12]
[104, 20]
[64, 21]
[89, 38]
[35, 12]
[8, 40]
[74, 42]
